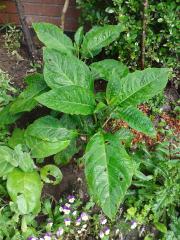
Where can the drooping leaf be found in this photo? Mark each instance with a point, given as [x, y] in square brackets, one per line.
[99, 37]
[25, 102]
[50, 129]
[137, 87]
[53, 37]
[78, 37]
[63, 157]
[65, 70]
[7, 161]
[108, 69]
[69, 99]
[16, 138]
[108, 170]
[136, 119]
[42, 149]
[23, 159]
[51, 170]
[26, 185]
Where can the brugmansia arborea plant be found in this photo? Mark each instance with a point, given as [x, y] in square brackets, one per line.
[67, 86]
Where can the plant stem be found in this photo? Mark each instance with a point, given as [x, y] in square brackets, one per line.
[144, 26]
[64, 10]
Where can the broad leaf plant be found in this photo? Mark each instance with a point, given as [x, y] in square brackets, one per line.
[78, 112]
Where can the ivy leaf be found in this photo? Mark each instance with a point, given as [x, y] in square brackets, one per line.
[42, 149]
[50, 129]
[53, 37]
[108, 170]
[49, 171]
[7, 161]
[25, 187]
[108, 69]
[99, 37]
[64, 70]
[69, 99]
[137, 87]
[136, 119]
[25, 102]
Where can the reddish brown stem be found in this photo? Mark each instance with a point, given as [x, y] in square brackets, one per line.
[63, 15]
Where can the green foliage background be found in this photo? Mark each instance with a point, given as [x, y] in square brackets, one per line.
[161, 35]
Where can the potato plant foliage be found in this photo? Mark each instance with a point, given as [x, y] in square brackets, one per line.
[67, 86]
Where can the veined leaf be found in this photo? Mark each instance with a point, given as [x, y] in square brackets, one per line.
[69, 99]
[7, 161]
[64, 70]
[108, 170]
[27, 185]
[136, 119]
[6, 117]
[78, 37]
[50, 129]
[109, 69]
[26, 100]
[53, 37]
[137, 87]
[99, 37]
[42, 149]
[16, 138]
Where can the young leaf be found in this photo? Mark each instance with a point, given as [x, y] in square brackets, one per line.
[53, 37]
[6, 117]
[27, 185]
[108, 170]
[50, 129]
[78, 37]
[42, 149]
[99, 37]
[136, 119]
[69, 99]
[64, 70]
[137, 87]
[51, 170]
[16, 138]
[25, 102]
[108, 69]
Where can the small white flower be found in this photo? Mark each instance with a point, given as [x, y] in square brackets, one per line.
[60, 232]
[67, 222]
[133, 225]
[79, 231]
[66, 210]
[67, 205]
[84, 226]
[49, 225]
[84, 216]
[74, 213]
[78, 222]
[103, 221]
[117, 231]
[71, 198]
[101, 234]
[46, 237]
[106, 231]
[61, 209]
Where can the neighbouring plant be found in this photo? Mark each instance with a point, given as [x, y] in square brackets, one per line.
[162, 22]
[67, 86]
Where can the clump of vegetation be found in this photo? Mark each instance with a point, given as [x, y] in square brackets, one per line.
[80, 120]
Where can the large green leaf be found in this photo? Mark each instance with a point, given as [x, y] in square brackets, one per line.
[50, 129]
[108, 69]
[26, 100]
[53, 37]
[99, 37]
[64, 70]
[137, 87]
[42, 149]
[7, 161]
[26, 188]
[136, 119]
[69, 99]
[108, 170]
